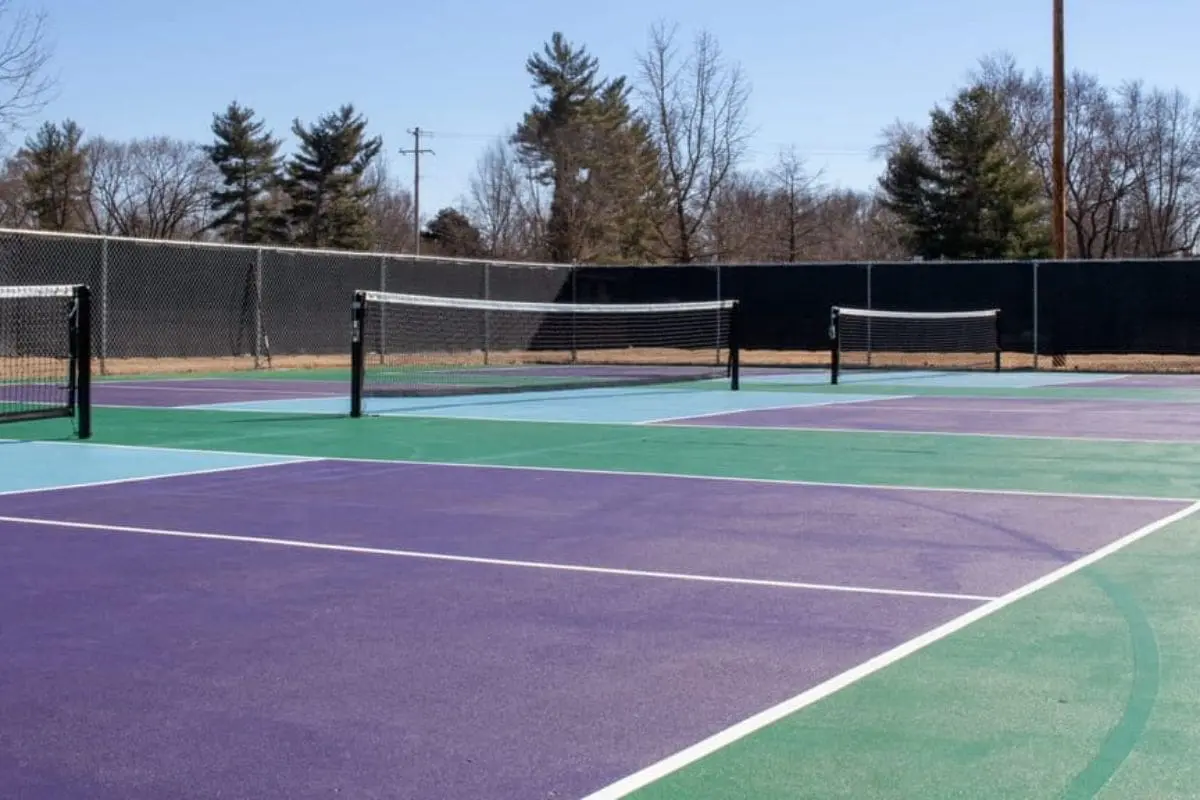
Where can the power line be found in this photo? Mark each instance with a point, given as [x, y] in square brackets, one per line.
[416, 152]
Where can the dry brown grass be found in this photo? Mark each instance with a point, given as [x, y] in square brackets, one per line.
[1141, 363]
[164, 366]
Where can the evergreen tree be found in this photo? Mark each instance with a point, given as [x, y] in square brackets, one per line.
[969, 193]
[454, 235]
[248, 158]
[55, 176]
[582, 139]
[325, 181]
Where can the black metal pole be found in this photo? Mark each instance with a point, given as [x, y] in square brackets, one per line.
[735, 345]
[357, 353]
[834, 346]
[83, 360]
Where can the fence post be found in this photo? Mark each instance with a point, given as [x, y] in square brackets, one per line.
[719, 316]
[1036, 314]
[383, 287]
[574, 299]
[487, 315]
[870, 306]
[103, 305]
[258, 315]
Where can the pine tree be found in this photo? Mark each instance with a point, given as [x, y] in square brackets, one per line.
[970, 193]
[325, 181]
[247, 156]
[583, 139]
[55, 176]
[454, 235]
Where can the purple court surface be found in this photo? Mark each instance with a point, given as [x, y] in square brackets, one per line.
[1153, 381]
[330, 645]
[174, 393]
[1102, 419]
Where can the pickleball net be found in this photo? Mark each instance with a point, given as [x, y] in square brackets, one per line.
[420, 345]
[875, 339]
[45, 354]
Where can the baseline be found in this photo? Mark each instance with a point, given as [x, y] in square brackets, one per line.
[883, 487]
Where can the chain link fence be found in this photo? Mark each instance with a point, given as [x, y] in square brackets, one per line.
[163, 306]
[166, 306]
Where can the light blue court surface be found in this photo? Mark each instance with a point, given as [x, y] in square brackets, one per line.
[969, 380]
[629, 406]
[28, 466]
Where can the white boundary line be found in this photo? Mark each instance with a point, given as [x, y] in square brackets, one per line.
[787, 406]
[1043, 437]
[501, 562]
[163, 476]
[717, 741]
[882, 487]
[256, 389]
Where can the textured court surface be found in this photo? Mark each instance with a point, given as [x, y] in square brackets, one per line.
[908, 585]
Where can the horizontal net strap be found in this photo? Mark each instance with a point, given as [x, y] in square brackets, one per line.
[32, 292]
[472, 304]
[874, 313]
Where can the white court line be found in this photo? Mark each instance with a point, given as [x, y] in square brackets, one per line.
[499, 562]
[163, 476]
[214, 389]
[683, 758]
[898, 432]
[732, 411]
[1045, 407]
[878, 487]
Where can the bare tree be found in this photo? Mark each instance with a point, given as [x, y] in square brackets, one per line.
[496, 205]
[14, 194]
[1133, 172]
[696, 108]
[1166, 189]
[389, 209]
[795, 199]
[25, 87]
[154, 188]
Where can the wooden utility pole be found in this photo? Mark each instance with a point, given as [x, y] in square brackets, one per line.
[416, 154]
[1059, 157]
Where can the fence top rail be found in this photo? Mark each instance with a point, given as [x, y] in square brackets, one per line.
[275, 248]
[433, 259]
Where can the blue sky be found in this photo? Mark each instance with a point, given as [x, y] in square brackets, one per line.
[826, 76]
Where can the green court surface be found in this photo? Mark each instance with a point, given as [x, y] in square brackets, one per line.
[1086, 687]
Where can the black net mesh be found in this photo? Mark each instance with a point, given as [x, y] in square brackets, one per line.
[37, 351]
[423, 345]
[872, 339]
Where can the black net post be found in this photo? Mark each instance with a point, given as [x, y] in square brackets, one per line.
[734, 345]
[834, 347]
[357, 353]
[82, 337]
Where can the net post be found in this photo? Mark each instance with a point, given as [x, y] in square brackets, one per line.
[999, 348]
[735, 346]
[357, 352]
[834, 346]
[82, 336]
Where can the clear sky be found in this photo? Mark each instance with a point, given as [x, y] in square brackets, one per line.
[827, 75]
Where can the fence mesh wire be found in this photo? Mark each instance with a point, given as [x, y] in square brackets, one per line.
[162, 306]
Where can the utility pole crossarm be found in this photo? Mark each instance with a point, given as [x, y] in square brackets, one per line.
[416, 152]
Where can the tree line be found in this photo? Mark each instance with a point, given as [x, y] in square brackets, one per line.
[652, 168]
